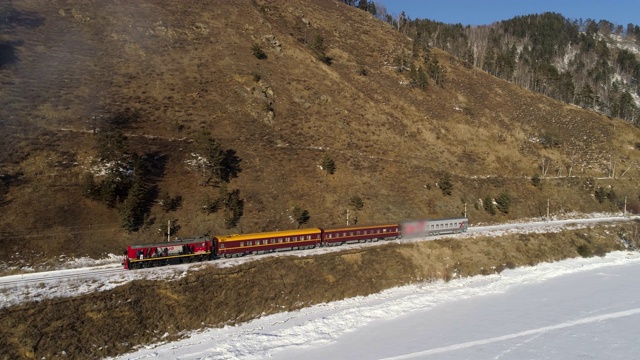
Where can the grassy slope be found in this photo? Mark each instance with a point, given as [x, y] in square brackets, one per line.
[186, 67]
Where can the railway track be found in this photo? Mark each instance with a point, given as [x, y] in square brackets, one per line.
[59, 275]
[114, 273]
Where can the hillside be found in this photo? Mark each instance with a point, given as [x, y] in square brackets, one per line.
[176, 69]
[594, 65]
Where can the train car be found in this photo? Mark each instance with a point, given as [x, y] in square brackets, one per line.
[429, 227]
[185, 250]
[259, 243]
[333, 237]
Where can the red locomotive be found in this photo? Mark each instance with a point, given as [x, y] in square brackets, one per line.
[176, 252]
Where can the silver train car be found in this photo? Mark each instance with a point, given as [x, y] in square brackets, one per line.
[430, 227]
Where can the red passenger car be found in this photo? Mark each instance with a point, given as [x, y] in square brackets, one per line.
[332, 237]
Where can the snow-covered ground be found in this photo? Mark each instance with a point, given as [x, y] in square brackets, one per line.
[572, 309]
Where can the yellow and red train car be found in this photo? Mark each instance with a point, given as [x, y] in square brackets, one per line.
[258, 243]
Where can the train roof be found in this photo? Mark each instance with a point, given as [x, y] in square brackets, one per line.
[441, 219]
[171, 243]
[272, 234]
[361, 227]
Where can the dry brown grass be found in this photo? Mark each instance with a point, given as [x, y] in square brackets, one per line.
[189, 67]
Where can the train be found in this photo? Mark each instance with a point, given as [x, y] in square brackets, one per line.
[207, 248]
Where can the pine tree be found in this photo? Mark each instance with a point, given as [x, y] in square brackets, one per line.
[488, 205]
[208, 158]
[133, 208]
[300, 216]
[328, 165]
[413, 74]
[503, 202]
[422, 81]
[234, 209]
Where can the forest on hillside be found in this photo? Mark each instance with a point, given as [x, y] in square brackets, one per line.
[589, 63]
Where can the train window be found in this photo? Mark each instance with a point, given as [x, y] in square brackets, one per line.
[241, 243]
[279, 240]
[295, 238]
[264, 242]
[221, 246]
[287, 239]
[273, 241]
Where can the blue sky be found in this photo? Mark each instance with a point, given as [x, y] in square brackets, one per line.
[484, 12]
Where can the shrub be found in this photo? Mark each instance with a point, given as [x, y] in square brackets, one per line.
[603, 194]
[169, 203]
[319, 48]
[503, 202]
[356, 202]
[600, 251]
[257, 52]
[91, 190]
[446, 185]
[211, 205]
[584, 251]
[489, 206]
[550, 141]
[535, 181]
